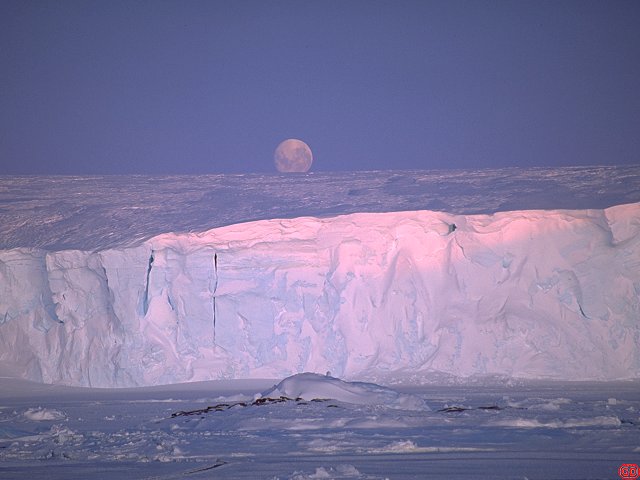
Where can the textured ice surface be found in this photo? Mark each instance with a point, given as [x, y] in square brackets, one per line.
[100, 212]
[411, 295]
[500, 432]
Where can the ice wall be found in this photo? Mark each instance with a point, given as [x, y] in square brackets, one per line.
[537, 294]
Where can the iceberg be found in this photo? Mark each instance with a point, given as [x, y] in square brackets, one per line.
[410, 295]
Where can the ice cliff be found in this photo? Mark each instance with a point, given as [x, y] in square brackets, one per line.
[536, 294]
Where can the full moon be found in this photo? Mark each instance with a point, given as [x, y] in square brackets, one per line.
[293, 155]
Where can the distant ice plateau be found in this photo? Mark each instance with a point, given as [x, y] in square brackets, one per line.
[102, 212]
[407, 295]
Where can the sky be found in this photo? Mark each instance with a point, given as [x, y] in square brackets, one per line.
[163, 87]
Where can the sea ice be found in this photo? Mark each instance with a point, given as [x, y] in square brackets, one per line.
[40, 414]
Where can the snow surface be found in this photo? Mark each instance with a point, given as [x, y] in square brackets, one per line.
[215, 430]
[446, 309]
[312, 386]
[104, 212]
[385, 296]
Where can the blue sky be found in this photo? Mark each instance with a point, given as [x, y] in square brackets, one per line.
[212, 87]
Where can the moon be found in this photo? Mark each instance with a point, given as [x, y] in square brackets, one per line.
[293, 155]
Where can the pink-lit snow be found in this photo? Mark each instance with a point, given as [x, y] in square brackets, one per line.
[374, 325]
[313, 386]
[391, 296]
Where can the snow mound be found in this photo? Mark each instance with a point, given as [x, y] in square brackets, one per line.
[312, 386]
[329, 473]
[599, 421]
[42, 414]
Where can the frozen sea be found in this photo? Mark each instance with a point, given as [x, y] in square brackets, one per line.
[494, 428]
[513, 430]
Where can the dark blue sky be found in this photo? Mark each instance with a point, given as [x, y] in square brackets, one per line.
[213, 87]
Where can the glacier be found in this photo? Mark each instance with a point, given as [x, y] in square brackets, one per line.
[409, 295]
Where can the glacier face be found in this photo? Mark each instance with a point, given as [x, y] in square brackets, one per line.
[535, 294]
